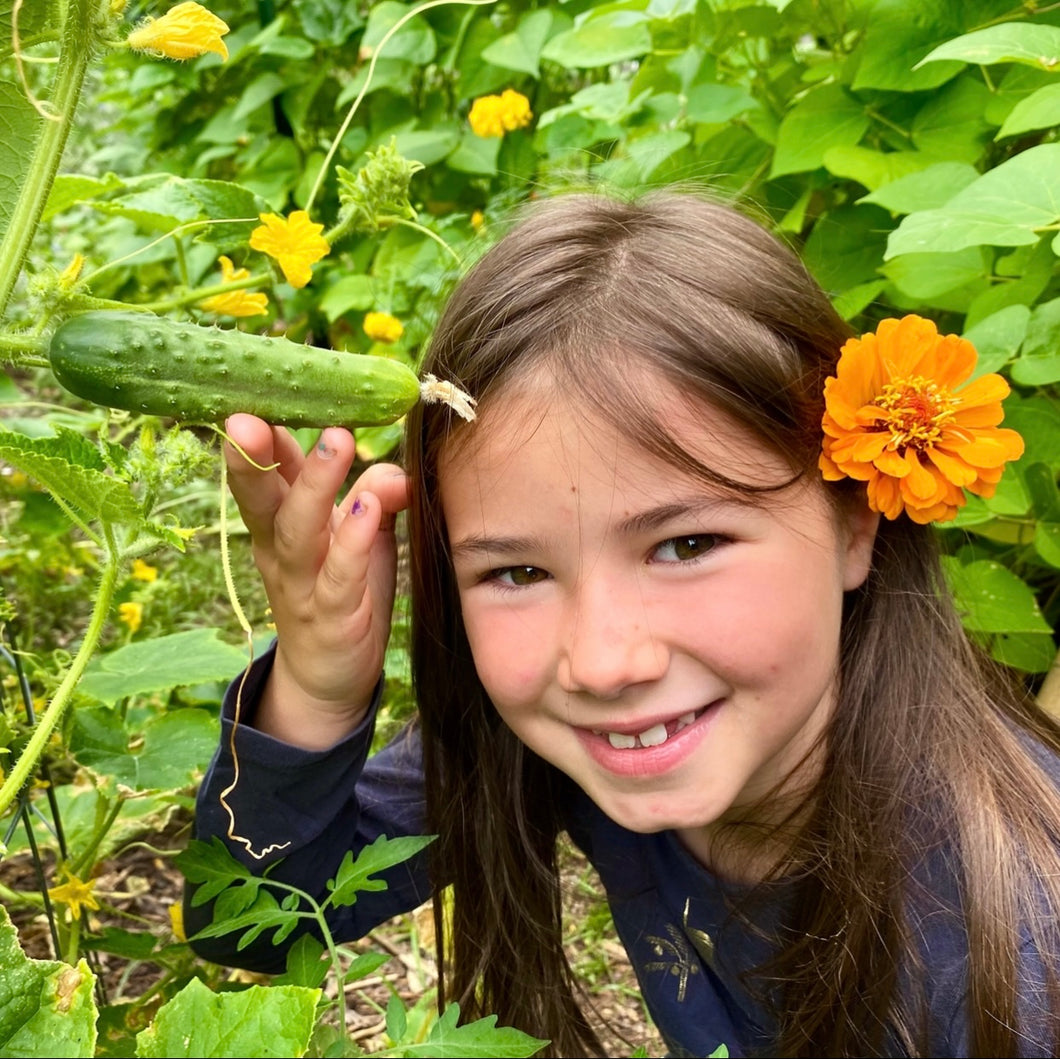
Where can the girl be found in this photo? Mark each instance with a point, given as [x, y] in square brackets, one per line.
[826, 826]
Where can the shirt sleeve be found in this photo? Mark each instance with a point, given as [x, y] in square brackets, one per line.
[298, 812]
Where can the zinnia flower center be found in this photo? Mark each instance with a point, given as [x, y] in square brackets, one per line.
[914, 411]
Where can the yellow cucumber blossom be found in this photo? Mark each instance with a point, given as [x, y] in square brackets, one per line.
[75, 894]
[382, 327]
[142, 571]
[235, 302]
[493, 116]
[294, 241]
[68, 276]
[132, 614]
[184, 32]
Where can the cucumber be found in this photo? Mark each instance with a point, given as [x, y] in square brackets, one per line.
[143, 363]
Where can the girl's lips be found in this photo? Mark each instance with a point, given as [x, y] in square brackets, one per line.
[652, 752]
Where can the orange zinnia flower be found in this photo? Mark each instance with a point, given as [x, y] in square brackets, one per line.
[901, 416]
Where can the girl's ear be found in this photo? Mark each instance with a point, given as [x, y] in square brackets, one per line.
[861, 524]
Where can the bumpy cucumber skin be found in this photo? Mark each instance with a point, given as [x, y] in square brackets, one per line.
[143, 363]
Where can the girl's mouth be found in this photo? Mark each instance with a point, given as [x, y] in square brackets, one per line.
[656, 735]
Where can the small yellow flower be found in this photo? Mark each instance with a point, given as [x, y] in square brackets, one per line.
[294, 241]
[132, 614]
[235, 302]
[382, 327]
[142, 571]
[493, 116]
[75, 894]
[185, 32]
[68, 276]
[478, 219]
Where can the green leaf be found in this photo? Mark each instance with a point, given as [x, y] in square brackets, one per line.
[355, 876]
[160, 202]
[480, 1039]
[259, 92]
[998, 337]
[926, 190]
[396, 1018]
[611, 37]
[926, 276]
[992, 598]
[872, 168]
[306, 965]
[713, 104]
[260, 1021]
[1031, 652]
[827, 117]
[364, 964]
[356, 293]
[521, 49]
[20, 126]
[896, 35]
[951, 125]
[845, 245]
[182, 658]
[70, 189]
[1039, 361]
[213, 868]
[89, 491]
[415, 42]
[1009, 42]
[46, 1007]
[1047, 542]
[1004, 207]
[169, 757]
[1036, 420]
[288, 48]
[1038, 111]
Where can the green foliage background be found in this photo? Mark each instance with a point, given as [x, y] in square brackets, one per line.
[907, 149]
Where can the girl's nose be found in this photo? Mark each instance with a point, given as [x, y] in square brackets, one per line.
[609, 644]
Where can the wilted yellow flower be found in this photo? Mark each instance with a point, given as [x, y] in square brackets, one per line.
[901, 416]
[294, 241]
[132, 614]
[382, 327]
[176, 921]
[235, 302]
[142, 571]
[185, 32]
[75, 894]
[68, 276]
[493, 116]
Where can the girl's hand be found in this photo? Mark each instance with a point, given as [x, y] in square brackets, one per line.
[328, 571]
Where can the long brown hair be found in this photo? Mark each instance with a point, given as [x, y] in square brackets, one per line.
[930, 747]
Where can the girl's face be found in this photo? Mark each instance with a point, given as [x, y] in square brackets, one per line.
[670, 648]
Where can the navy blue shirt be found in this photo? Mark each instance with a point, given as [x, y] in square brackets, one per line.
[672, 914]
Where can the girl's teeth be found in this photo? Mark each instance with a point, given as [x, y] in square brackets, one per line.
[656, 735]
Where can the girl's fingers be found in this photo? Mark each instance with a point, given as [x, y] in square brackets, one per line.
[302, 525]
[258, 491]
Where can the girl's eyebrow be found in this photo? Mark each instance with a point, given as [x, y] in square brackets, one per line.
[469, 547]
[641, 522]
[694, 507]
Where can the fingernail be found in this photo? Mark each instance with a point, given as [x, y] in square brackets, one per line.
[324, 450]
[358, 508]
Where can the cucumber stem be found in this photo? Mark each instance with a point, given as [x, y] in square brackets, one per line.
[78, 37]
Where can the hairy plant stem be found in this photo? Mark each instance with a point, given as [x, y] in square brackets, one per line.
[78, 37]
[29, 757]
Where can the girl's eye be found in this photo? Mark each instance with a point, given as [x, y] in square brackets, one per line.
[686, 548]
[518, 576]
